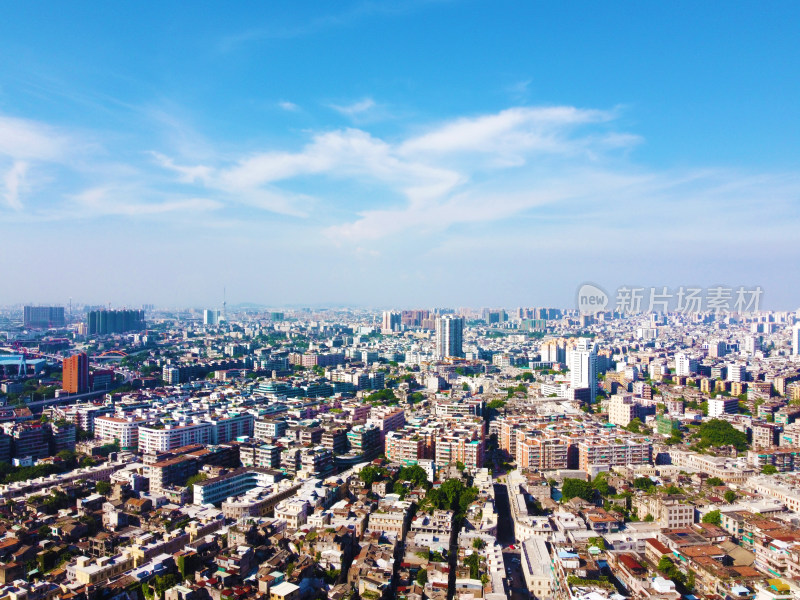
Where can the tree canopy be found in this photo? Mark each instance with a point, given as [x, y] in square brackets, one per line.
[576, 488]
[452, 495]
[414, 474]
[370, 474]
[717, 432]
[600, 483]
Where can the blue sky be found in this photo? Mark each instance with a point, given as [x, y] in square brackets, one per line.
[396, 154]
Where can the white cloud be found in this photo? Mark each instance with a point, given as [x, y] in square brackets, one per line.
[197, 173]
[28, 140]
[355, 109]
[519, 89]
[13, 180]
[510, 131]
[441, 183]
[349, 154]
[288, 106]
[110, 201]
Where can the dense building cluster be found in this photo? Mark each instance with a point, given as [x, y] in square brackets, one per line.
[417, 454]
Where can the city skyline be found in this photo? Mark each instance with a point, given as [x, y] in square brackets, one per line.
[430, 154]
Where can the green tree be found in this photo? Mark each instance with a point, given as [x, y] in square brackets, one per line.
[712, 517]
[473, 561]
[730, 496]
[635, 426]
[422, 577]
[196, 478]
[370, 474]
[714, 482]
[598, 542]
[769, 469]
[478, 543]
[103, 488]
[332, 576]
[69, 458]
[576, 488]
[415, 474]
[385, 396]
[716, 433]
[643, 483]
[600, 483]
[665, 565]
[164, 582]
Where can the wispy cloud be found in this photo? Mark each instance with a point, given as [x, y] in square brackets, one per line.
[12, 181]
[25, 145]
[288, 106]
[518, 90]
[550, 164]
[194, 174]
[109, 201]
[356, 108]
[29, 140]
[558, 170]
[311, 26]
[520, 129]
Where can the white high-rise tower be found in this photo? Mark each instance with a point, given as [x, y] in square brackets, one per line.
[449, 336]
[583, 367]
[796, 339]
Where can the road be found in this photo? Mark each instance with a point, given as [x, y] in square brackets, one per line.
[505, 535]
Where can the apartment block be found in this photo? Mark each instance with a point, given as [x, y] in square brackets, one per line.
[164, 438]
[125, 430]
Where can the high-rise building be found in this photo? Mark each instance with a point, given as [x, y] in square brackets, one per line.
[796, 339]
[42, 317]
[720, 406]
[717, 349]
[210, 317]
[75, 374]
[583, 367]
[449, 336]
[104, 322]
[737, 372]
[752, 344]
[391, 320]
[685, 365]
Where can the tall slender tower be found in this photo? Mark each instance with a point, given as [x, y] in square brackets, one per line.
[224, 304]
[449, 336]
[583, 367]
[75, 375]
